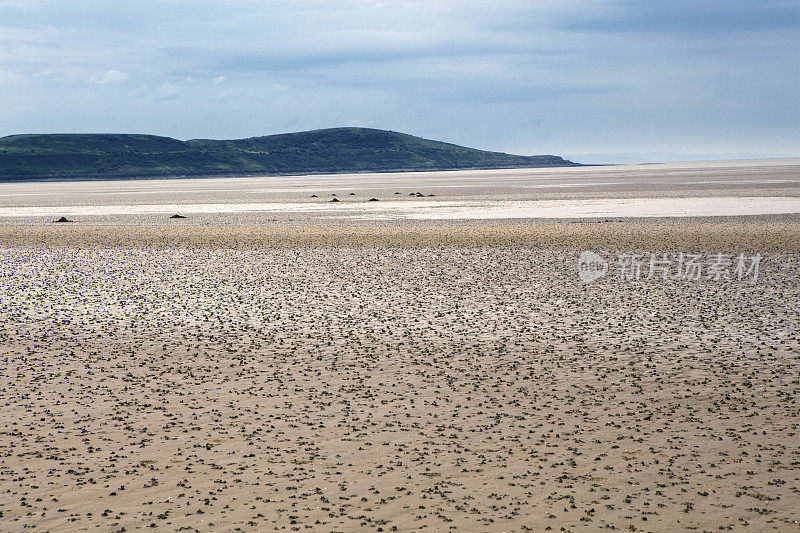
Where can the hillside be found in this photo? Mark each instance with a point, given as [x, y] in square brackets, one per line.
[336, 150]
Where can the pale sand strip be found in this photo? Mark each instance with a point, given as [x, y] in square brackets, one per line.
[451, 210]
[762, 236]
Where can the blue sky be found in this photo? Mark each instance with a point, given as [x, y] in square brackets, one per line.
[598, 81]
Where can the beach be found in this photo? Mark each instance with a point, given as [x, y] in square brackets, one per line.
[432, 360]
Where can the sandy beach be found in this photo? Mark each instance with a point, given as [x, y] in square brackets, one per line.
[415, 363]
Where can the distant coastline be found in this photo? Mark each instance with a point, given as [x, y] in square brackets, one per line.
[93, 156]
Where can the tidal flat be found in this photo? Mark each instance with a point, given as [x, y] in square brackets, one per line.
[305, 371]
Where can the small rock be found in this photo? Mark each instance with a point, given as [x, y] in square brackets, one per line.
[63, 219]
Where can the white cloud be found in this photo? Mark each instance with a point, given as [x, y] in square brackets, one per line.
[169, 90]
[110, 77]
[358, 123]
[228, 93]
[219, 79]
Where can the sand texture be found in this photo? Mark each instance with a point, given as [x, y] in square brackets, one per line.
[731, 235]
[238, 373]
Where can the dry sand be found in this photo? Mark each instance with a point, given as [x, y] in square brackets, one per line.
[331, 375]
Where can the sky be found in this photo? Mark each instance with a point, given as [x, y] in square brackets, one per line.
[593, 80]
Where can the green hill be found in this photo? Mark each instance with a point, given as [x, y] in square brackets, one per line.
[336, 150]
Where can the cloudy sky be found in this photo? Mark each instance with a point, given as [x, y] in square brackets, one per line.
[599, 81]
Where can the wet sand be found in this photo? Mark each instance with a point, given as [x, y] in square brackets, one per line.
[730, 235]
[239, 371]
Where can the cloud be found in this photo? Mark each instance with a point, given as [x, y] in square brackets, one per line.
[358, 123]
[228, 94]
[111, 76]
[169, 90]
[598, 75]
[686, 17]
